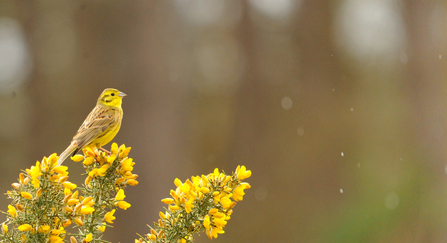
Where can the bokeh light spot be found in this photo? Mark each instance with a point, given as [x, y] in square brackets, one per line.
[286, 103]
[15, 62]
[391, 201]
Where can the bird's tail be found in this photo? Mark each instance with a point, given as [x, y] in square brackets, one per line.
[67, 153]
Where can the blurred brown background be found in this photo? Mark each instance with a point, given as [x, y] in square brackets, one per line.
[338, 107]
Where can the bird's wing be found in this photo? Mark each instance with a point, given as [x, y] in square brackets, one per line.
[96, 123]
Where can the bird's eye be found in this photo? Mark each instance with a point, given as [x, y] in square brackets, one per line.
[112, 94]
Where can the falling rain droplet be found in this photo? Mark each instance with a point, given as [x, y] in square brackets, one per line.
[300, 131]
[261, 193]
[286, 103]
[403, 58]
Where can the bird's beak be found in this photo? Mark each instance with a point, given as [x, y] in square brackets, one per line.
[121, 94]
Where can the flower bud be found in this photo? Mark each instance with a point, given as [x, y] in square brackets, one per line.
[73, 240]
[16, 185]
[26, 195]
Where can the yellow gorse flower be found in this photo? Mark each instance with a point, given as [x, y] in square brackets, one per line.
[114, 149]
[242, 172]
[127, 165]
[12, 211]
[120, 195]
[69, 185]
[207, 222]
[26, 195]
[132, 182]
[168, 200]
[239, 191]
[109, 217]
[61, 170]
[88, 237]
[35, 172]
[44, 229]
[123, 205]
[102, 170]
[56, 239]
[189, 206]
[77, 158]
[87, 210]
[89, 161]
[25, 227]
[5, 228]
[102, 228]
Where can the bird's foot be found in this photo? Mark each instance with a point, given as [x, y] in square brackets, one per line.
[105, 150]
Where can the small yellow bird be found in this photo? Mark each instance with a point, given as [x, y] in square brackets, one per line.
[100, 126]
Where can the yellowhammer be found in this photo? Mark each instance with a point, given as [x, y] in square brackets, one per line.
[100, 126]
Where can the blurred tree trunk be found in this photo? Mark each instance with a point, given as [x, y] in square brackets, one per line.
[259, 113]
[426, 83]
[52, 79]
[427, 94]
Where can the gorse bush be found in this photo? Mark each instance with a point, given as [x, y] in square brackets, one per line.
[202, 203]
[45, 203]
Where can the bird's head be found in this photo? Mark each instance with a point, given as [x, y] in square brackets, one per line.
[111, 97]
